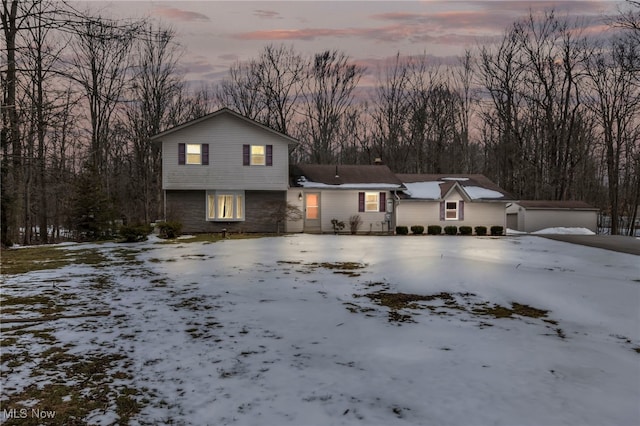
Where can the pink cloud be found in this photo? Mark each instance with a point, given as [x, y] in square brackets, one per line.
[228, 57]
[178, 14]
[389, 33]
[267, 14]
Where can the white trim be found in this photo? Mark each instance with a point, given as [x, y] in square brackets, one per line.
[264, 155]
[199, 153]
[237, 203]
[377, 207]
[456, 210]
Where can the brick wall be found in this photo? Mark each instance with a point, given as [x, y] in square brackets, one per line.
[189, 208]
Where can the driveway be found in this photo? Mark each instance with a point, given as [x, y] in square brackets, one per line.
[619, 243]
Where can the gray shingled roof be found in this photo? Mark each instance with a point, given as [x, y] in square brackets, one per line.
[336, 175]
[549, 204]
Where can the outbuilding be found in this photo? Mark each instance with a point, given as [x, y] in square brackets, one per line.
[535, 215]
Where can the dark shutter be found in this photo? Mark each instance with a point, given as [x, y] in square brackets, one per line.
[360, 201]
[205, 154]
[181, 153]
[269, 155]
[246, 149]
[461, 210]
[383, 201]
[441, 210]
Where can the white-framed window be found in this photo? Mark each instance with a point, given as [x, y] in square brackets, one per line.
[258, 155]
[371, 201]
[451, 210]
[194, 153]
[227, 206]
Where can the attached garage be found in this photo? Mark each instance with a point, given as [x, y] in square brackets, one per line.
[534, 215]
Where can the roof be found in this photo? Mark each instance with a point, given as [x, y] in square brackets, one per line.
[438, 186]
[555, 205]
[217, 113]
[344, 177]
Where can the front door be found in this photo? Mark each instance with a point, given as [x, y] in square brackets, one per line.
[312, 212]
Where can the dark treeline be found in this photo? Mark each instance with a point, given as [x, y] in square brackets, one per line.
[546, 112]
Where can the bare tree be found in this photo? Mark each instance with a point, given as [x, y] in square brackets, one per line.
[615, 101]
[630, 19]
[11, 143]
[500, 73]
[329, 92]
[241, 92]
[156, 85]
[389, 112]
[279, 72]
[102, 68]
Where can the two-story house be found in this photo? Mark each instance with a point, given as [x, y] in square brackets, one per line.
[224, 171]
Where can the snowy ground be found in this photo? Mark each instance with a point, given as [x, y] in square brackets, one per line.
[340, 330]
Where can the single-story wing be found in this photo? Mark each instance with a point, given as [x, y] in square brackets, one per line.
[451, 200]
[535, 215]
[335, 193]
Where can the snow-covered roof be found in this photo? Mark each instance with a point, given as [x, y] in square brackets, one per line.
[344, 177]
[436, 187]
[309, 184]
[424, 190]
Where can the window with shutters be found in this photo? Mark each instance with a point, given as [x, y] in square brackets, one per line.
[371, 201]
[257, 155]
[193, 153]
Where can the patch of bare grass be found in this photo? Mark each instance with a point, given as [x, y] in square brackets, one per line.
[215, 237]
[28, 259]
[403, 306]
[350, 269]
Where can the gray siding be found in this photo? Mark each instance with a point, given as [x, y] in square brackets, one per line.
[225, 135]
[189, 208]
[535, 220]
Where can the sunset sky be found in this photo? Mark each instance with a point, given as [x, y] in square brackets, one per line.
[218, 33]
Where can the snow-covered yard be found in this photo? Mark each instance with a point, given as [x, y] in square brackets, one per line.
[324, 329]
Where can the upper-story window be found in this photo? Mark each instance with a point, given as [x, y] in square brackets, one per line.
[193, 153]
[257, 155]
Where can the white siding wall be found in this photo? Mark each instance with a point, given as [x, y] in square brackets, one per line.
[338, 204]
[427, 213]
[341, 204]
[225, 135]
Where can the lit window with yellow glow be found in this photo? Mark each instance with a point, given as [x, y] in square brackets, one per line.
[258, 155]
[371, 201]
[194, 153]
[225, 206]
